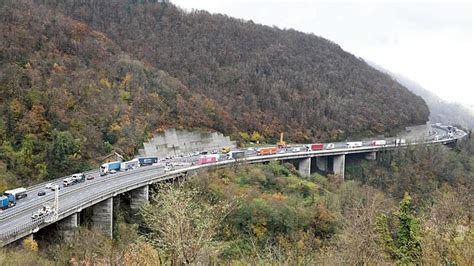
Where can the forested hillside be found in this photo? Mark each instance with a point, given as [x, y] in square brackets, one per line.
[78, 78]
[266, 79]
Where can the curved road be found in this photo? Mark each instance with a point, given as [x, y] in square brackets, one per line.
[17, 221]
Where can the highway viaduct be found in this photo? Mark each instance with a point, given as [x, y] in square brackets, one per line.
[97, 196]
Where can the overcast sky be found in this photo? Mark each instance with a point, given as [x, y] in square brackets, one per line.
[429, 42]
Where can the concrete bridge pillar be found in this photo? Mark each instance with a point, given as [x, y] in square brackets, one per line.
[68, 225]
[339, 162]
[304, 167]
[102, 216]
[322, 163]
[371, 156]
[139, 196]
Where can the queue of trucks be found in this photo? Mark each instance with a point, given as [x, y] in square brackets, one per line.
[10, 197]
[113, 167]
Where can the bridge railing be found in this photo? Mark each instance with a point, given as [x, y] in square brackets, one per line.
[34, 225]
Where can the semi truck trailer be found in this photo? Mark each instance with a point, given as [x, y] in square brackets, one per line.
[107, 168]
[236, 155]
[267, 151]
[212, 158]
[315, 147]
[18, 193]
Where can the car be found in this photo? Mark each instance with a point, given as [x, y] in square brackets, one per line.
[49, 186]
[250, 149]
[214, 152]
[90, 177]
[113, 171]
[41, 193]
[53, 188]
[296, 149]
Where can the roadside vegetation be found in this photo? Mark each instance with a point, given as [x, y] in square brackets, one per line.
[269, 214]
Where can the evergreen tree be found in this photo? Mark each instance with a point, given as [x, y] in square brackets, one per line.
[406, 246]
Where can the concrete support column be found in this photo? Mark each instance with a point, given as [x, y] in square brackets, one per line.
[139, 196]
[339, 162]
[68, 225]
[322, 163]
[371, 156]
[304, 167]
[102, 216]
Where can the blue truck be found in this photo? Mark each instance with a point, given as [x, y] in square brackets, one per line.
[144, 161]
[111, 167]
[7, 201]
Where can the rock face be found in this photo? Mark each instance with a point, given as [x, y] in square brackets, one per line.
[174, 142]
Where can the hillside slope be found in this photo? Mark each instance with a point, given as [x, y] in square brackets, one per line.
[80, 78]
[266, 79]
[441, 111]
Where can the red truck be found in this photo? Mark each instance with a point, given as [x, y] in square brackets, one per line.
[212, 158]
[267, 151]
[315, 147]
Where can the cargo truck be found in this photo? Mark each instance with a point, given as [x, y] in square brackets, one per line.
[236, 155]
[379, 142]
[130, 165]
[354, 144]
[212, 158]
[267, 151]
[74, 179]
[110, 167]
[144, 161]
[7, 201]
[400, 142]
[314, 147]
[18, 193]
[330, 146]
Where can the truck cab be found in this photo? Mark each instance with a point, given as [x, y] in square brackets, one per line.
[7, 201]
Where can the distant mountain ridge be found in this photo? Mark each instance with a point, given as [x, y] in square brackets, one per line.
[441, 111]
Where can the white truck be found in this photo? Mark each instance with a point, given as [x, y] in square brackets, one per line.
[74, 179]
[354, 144]
[129, 165]
[18, 193]
[400, 142]
[379, 142]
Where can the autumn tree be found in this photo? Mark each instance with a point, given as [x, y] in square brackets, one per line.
[183, 226]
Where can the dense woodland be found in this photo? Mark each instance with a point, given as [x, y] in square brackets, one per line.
[80, 78]
[414, 206]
